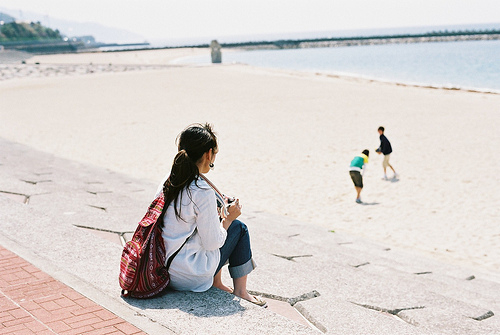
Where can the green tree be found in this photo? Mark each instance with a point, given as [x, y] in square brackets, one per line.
[27, 32]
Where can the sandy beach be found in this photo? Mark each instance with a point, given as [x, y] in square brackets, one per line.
[286, 141]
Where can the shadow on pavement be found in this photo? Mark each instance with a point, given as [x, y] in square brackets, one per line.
[205, 304]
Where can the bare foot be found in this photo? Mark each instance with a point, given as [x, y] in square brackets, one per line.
[223, 287]
[253, 299]
[247, 296]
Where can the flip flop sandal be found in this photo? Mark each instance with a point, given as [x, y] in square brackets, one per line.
[260, 302]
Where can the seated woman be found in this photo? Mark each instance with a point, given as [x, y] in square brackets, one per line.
[213, 235]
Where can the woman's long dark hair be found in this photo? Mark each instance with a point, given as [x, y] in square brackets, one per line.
[192, 143]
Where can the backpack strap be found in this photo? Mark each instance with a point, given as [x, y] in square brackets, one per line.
[171, 258]
[160, 198]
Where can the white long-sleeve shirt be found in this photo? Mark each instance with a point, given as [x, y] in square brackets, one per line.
[194, 266]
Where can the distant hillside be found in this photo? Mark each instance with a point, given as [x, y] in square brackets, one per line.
[17, 32]
[100, 32]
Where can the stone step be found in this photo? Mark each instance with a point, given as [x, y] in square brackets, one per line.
[338, 282]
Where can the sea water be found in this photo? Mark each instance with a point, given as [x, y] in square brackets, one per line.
[466, 64]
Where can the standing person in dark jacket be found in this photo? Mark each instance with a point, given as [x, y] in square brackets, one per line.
[385, 149]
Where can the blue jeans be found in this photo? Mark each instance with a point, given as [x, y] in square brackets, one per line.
[237, 251]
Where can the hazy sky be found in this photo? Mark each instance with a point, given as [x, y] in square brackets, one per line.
[156, 19]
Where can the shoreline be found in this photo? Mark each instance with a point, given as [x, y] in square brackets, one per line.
[339, 74]
[36, 69]
[410, 84]
[348, 76]
[21, 71]
[180, 53]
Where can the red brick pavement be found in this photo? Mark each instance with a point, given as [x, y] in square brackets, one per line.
[32, 302]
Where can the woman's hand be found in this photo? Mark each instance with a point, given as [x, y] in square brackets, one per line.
[234, 210]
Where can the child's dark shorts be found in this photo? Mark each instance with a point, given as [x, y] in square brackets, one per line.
[357, 178]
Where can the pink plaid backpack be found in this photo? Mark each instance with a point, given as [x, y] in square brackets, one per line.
[143, 270]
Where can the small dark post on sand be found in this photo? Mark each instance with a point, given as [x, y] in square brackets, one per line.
[215, 52]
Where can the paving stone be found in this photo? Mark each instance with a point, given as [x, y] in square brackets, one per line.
[29, 314]
[335, 316]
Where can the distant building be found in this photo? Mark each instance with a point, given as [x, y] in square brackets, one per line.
[87, 40]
